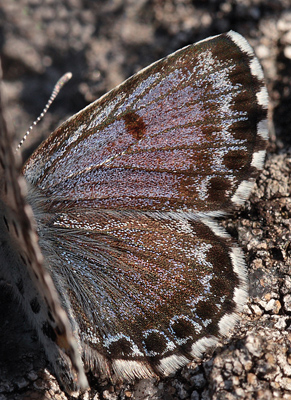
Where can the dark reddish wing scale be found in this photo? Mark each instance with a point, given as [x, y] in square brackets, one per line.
[124, 194]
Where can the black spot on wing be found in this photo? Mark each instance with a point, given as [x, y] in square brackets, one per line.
[35, 306]
[48, 331]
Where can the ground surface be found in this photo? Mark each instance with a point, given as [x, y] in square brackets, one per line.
[102, 43]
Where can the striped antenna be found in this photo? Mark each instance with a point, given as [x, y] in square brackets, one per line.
[60, 83]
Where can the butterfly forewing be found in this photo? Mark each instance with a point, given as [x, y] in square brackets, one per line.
[180, 135]
[124, 194]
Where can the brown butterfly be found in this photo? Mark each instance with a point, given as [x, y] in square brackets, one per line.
[108, 233]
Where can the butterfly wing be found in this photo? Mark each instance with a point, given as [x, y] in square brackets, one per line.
[187, 133]
[22, 266]
[148, 291]
[124, 194]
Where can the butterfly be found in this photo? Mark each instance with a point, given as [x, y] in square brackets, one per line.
[109, 232]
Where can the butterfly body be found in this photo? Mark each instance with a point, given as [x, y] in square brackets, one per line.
[124, 197]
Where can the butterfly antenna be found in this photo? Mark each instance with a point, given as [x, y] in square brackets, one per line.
[60, 83]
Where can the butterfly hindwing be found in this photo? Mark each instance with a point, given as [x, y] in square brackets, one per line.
[153, 287]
